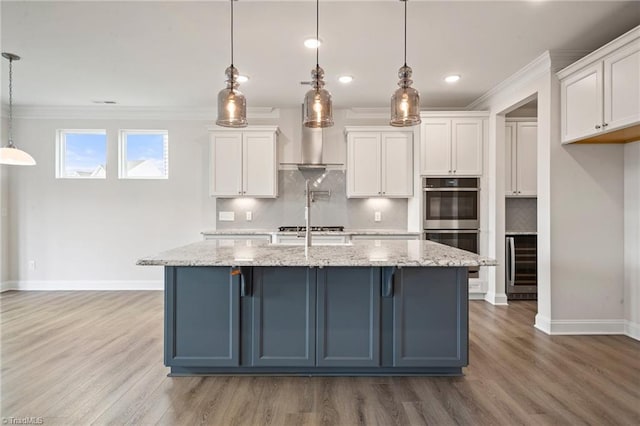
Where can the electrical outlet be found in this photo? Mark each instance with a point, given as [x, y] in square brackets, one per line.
[249, 216]
[377, 216]
[226, 216]
[32, 265]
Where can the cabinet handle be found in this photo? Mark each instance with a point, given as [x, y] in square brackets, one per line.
[454, 171]
[450, 171]
[605, 124]
[597, 126]
[387, 281]
[240, 192]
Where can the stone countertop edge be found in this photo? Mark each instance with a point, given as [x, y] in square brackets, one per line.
[521, 233]
[345, 232]
[411, 253]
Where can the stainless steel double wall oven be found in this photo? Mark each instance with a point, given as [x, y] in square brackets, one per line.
[452, 212]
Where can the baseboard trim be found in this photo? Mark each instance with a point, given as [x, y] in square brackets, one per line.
[476, 296]
[496, 299]
[7, 285]
[632, 329]
[85, 285]
[543, 324]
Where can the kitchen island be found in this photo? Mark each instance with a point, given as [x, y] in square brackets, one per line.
[365, 308]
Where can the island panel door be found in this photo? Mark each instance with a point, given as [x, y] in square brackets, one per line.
[348, 317]
[284, 316]
[430, 321]
[202, 319]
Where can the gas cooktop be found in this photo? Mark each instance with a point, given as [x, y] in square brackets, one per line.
[313, 228]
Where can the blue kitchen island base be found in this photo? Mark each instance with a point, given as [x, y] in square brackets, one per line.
[311, 321]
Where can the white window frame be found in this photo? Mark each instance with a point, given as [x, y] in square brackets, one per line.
[61, 152]
[122, 152]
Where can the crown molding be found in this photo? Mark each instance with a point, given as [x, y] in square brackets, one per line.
[527, 73]
[92, 112]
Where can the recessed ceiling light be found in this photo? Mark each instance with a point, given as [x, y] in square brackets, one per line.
[452, 78]
[243, 78]
[345, 79]
[312, 43]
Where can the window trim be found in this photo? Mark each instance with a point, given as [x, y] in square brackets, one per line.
[122, 152]
[61, 151]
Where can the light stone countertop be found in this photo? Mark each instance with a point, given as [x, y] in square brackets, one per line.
[520, 233]
[359, 253]
[381, 232]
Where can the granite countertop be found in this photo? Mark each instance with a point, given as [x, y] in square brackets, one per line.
[359, 253]
[520, 233]
[337, 233]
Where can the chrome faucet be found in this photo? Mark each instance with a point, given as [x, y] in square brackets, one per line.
[307, 214]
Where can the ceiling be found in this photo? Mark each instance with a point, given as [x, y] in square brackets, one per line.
[173, 54]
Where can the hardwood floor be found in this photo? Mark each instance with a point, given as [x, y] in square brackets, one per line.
[96, 358]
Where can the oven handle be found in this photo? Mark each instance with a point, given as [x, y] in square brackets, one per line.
[512, 261]
[450, 189]
[452, 231]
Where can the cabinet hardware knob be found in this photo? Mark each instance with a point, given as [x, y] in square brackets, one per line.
[605, 124]
[597, 126]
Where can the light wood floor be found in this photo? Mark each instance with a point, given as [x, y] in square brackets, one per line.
[96, 358]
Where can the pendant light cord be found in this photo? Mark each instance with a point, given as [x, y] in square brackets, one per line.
[317, 33]
[405, 33]
[10, 103]
[231, 33]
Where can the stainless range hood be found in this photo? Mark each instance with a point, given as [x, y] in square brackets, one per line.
[311, 153]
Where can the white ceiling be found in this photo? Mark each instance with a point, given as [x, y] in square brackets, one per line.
[173, 54]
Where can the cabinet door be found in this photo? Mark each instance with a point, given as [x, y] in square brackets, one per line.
[527, 159]
[363, 164]
[581, 103]
[284, 316]
[467, 146]
[435, 147]
[202, 319]
[430, 320]
[510, 158]
[348, 317]
[397, 164]
[622, 87]
[260, 166]
[225, 164]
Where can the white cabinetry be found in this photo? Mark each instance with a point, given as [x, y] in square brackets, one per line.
[451, 145]
[521, 142]
[244, 163]
[600, 93]
[379, 162]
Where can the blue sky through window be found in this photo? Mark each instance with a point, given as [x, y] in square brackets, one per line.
[146, 146]
[84, 152]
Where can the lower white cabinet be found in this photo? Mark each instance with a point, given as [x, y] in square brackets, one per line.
[379, 163]
[521, 142]
[244, 163]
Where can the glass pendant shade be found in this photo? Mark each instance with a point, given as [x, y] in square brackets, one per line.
[232, 105]
[317, 103]
[405, 102]
[15, 157]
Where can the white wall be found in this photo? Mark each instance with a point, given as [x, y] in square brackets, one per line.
[4, 216]
[580, 213]
[632, 238]
[94, 230]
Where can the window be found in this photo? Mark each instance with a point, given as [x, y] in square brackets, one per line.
[143, 154]
[81, 154]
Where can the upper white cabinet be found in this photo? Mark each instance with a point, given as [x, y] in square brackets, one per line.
[600, 93]
[244, 163]
[379, 162]
[521, 142]
[451, 145]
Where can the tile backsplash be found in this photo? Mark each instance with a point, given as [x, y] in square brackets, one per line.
[335, 209]
[521, 214]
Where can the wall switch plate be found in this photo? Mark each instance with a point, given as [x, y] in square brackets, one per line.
[249, 216]
[226, 216]
[32, 265]
[377, 216]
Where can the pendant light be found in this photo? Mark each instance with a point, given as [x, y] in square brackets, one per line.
[232, 105]
[405, 102]
[317, 101]
[10, 154]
